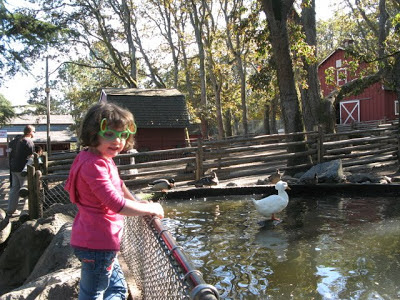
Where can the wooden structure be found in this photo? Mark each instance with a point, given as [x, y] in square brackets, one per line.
[242, 157]
[160, 115]
[61, 135]
[376, 102]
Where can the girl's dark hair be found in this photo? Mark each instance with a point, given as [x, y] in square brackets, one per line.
[116, 116]
[38, 148]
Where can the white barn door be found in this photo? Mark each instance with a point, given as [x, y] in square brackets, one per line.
[349, 111]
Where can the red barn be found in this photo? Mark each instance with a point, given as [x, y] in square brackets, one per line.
[160, 114]
[375, 103]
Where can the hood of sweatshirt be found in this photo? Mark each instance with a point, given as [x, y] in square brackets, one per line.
[70, 185]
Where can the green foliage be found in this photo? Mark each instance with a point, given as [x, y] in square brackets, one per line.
[6, 110]
[360, 22]
[100, 30]
[24, 38]
[81, 86]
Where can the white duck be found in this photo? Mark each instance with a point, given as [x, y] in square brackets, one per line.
[273, 204]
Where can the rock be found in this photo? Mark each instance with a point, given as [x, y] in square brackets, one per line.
[260, 182]
[25, 247]
[291, 180]
[396, 178]
[60, 285]
[298, 175]
[58, 208]
[232, 184]
[58, 255]
[5, 226]
[363, 178]
[327, 172]
[387, 179]
[190, 168]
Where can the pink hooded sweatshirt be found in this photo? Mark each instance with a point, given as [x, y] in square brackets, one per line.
[95, 187]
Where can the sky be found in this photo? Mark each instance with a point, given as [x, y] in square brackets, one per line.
[16, 90]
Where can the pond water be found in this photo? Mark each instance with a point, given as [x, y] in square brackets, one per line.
[324, 248]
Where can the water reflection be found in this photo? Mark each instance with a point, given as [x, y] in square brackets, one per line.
[331, 283]
[326, 248]
[273, 239]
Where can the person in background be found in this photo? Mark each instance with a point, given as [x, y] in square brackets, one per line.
[24, 149]
[31, 159]
[38, 150]
[12, 148]
[102, 198]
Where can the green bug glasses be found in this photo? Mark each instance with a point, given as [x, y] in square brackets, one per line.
[110, 134]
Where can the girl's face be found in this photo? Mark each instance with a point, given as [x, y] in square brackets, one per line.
[111, 147]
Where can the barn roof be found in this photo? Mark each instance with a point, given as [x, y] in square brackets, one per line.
[42, 119]
[152, 108]
[330, 54]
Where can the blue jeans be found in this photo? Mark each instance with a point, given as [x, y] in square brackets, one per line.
[101, 275]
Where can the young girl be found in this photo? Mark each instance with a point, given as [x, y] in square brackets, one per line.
[102, 199]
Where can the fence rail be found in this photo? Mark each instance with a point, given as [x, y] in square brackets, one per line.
[241, 157]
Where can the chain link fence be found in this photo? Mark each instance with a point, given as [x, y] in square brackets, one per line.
[158, 266]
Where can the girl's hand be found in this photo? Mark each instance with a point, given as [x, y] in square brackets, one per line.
[156, 210]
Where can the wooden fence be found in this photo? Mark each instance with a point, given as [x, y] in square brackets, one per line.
[242, 157]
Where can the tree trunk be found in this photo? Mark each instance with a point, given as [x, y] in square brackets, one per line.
[242, 76]
[166, 13]
[277, 15]
[228, 122]
[267, 113]
[311, 100]
[189, 86]
[131, 45]
[231, 18]
[198, 29]
[274, 109]
[217, 87]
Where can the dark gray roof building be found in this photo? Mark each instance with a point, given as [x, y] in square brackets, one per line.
[59, 128]
[152, 108]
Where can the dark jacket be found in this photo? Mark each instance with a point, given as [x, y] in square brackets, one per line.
[24, 148]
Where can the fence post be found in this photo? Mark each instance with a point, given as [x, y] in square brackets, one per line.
[32, 201]
[187, 138]
[398, 147]
[199, 159]
[36, 160]
[45, 163]
[39, 199]
[320, 144]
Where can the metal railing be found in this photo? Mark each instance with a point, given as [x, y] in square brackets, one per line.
[161, 268]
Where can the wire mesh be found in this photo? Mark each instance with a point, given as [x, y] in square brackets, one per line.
[53, 192]
[156, 274]
[153, 268]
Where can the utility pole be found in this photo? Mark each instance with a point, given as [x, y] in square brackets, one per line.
[47, 90]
